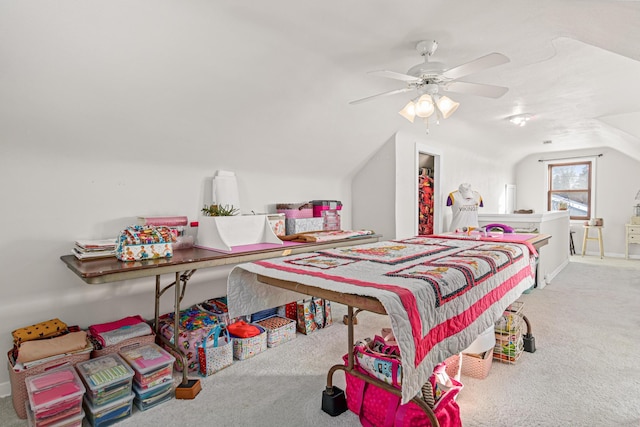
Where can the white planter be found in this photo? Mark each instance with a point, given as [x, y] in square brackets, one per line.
[224, 232]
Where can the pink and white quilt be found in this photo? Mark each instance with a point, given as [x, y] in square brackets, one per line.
[440, 293]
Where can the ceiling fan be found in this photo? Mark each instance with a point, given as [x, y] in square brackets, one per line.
[428, 79]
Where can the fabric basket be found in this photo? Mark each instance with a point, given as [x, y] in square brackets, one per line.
[17, 378]
[263, 314]
[244, 348]
[453, 367]
[215, 353]
[217, 307]
[290, 311]
[279, 330]
[194, 325]
[477, 367]
[313, 314]
[111, 349]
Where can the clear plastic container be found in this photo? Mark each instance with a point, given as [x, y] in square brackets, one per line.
[151, 364]
[107, 378]
[111, 413]
[183, 242]
[69, 421]
[55, 394]
[146, 358]
[330, 220]
[145, 399]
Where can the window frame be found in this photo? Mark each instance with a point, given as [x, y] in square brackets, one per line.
[590, 187]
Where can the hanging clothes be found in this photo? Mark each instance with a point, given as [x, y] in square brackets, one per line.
[425, 204]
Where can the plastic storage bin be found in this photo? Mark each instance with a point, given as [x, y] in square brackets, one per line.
[107, 378]
[295, 210]
[105, 415]
[71, 421]
[152, 396]
[55, 396]
[151, 364]
[325, 205]
[18, 378]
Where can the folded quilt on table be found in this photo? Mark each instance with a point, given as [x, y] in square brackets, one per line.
[440, 293]
[325, 236]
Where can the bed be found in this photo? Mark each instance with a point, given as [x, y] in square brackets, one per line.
[440, 291]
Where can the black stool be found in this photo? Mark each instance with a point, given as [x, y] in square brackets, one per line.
[572, 249]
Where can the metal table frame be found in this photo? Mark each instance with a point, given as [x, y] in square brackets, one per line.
[183, 264]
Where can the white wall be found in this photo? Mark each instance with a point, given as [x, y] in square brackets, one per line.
[617, 182]
[393, 176]
[51, 199]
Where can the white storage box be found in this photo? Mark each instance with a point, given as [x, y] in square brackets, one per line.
[303, 225]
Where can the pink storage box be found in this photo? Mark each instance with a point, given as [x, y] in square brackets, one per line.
[55, 393]
[325, 205]
[295, 210]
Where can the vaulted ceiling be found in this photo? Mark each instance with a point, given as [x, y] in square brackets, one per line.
[215, 79]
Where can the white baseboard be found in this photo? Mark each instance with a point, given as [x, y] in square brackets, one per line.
[5, 389]
[549, 276]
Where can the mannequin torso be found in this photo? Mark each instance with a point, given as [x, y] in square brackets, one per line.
[464, 205]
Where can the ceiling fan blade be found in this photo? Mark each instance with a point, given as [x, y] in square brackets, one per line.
[391, 92]
[484, 62]
[490, 91]
[394, 75]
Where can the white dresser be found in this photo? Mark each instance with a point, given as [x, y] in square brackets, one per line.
[632, 237]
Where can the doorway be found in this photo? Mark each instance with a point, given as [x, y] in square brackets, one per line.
[428, 206]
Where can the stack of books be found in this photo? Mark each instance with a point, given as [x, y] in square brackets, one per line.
[91, 249]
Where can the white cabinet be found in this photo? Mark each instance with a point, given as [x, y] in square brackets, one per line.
[632, 237]
[554, 256]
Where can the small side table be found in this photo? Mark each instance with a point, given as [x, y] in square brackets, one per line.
[632, 237]
[598, 228]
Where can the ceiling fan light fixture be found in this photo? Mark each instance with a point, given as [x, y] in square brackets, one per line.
[447, 106]
[409, 111]
[424, 106]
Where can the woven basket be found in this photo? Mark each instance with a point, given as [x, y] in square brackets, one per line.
[453, 366]
[244, 348]
[145, 339]
[476, 367]
[279, 330]
[17, 379]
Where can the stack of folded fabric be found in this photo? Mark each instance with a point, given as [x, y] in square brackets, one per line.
[40, 347]
[45, 341]
[110, 337]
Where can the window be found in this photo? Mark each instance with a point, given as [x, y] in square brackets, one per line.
[570, 188]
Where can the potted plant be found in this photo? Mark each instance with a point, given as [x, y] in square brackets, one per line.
[219, 210]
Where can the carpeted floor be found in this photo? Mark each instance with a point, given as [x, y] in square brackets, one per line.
[585, 371]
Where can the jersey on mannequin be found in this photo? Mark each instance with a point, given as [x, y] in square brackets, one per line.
[464, 204]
